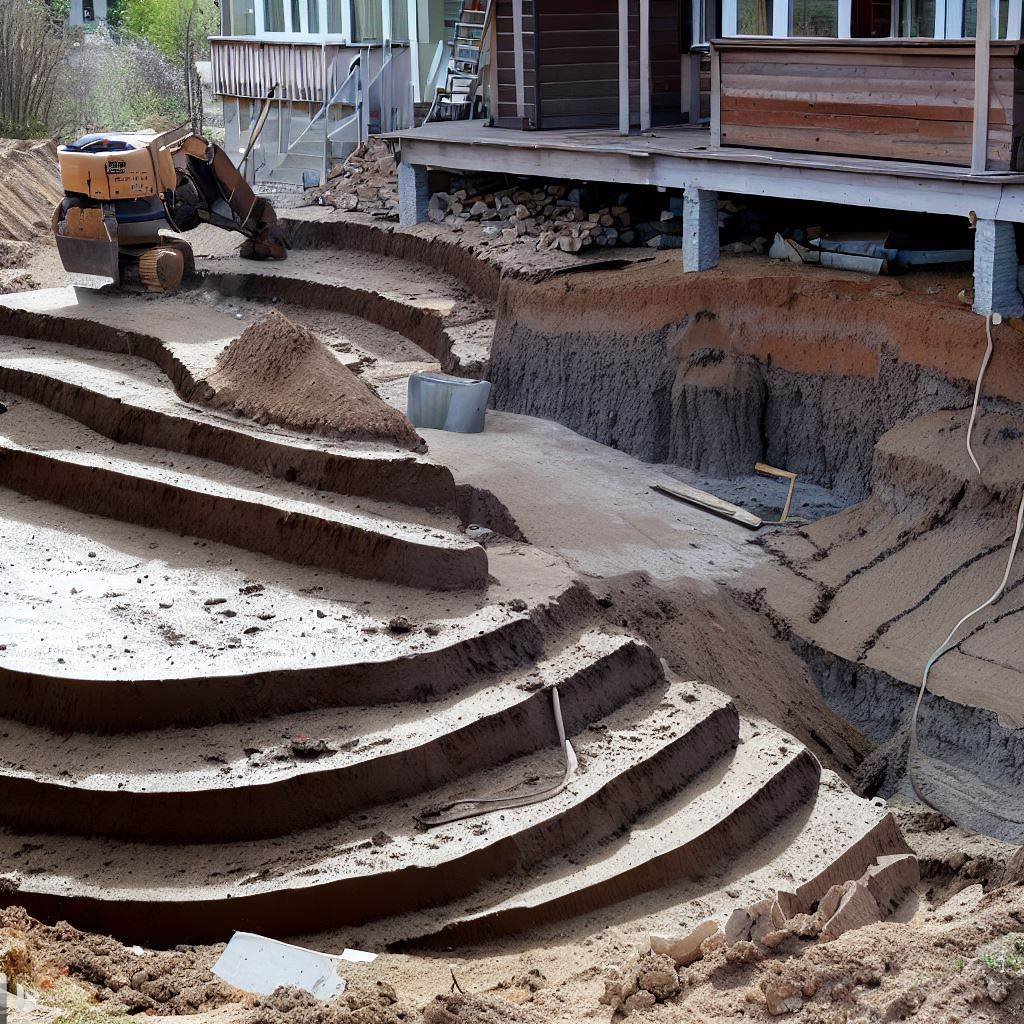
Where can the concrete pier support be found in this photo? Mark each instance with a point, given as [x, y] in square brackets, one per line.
[700, 229]
[995, 269]
[413, 194]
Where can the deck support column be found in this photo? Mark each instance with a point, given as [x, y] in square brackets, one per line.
[700, 229]
[995, 269]
[413, 194]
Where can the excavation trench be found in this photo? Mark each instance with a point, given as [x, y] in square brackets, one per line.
[435, 655]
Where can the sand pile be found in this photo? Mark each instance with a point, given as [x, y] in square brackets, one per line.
[278, 372]
[29, 188]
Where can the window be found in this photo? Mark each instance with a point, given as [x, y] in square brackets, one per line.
[366, 21]
[88, 11]
[273, 15]
[335, 18]
[243, 18]
[754, 17]
[917, 19]
[971, 18]
[814, 18]
[313, 16]
[400, 20]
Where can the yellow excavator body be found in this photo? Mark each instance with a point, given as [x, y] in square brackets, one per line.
[125, 192]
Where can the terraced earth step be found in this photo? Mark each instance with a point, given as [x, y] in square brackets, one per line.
[131, 401]
[447, 323]
[183, 338]
[115, 628]
[54, 458]
[715, 819]
[377, 863]
[203, 787]
[834, 836]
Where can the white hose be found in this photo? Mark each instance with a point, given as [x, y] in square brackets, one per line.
[475, 806]
[948, 644]
[977, 390]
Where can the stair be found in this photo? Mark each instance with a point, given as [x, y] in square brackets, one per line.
[238, 664]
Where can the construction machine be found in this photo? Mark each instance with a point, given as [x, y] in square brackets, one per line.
[121, 190]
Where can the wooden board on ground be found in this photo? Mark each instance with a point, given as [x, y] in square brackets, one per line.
[710, 503]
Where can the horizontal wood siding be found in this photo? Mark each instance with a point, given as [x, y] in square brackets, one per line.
[577, 82]
[507, 114]
[897, 100]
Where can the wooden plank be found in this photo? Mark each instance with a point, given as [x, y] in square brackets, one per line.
[955, 72]
[910, 127]
[732, 104]
[710, 503]
[856, 144]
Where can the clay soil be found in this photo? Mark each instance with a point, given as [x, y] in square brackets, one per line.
[279, 372]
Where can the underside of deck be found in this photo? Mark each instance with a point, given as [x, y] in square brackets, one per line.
[685, 157]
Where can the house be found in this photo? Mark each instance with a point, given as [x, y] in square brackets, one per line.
[86, 13]
[866, 103]
[328, 72]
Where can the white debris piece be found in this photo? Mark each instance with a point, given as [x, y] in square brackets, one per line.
[260, 965]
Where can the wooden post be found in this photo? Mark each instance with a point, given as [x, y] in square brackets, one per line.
[982, 62]
[645, 65]
[716, 97]
[623, 67]
[520, 71]
[412, 14]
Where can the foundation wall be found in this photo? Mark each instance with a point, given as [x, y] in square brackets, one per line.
[716, 370]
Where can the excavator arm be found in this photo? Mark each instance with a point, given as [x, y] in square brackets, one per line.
[123, 190]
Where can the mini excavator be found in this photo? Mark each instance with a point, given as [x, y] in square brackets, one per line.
[122, 189]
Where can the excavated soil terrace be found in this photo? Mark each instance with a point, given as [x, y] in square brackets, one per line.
[242, 662]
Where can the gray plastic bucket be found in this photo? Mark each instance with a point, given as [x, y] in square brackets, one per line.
[443, 402]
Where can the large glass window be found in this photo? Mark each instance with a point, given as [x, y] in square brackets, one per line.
[313, 16]
[335, 23]
[400, 20]
[814, 18]
[971, 18]
[366, 21]
[754, 17]
[273, 15]
[243, 17]
[917, 19]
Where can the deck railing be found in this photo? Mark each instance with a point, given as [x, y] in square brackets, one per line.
[303, 72]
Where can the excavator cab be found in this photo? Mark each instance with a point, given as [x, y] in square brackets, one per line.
[123, 190]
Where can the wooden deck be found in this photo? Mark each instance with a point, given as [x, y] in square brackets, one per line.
[680, 157]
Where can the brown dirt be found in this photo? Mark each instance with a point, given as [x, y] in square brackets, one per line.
[278, 372]
[29, 188]
[937, 969]
[705, 633]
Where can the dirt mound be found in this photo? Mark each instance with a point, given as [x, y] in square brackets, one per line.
[278, 372]
[59, 962]
[959, 961]
[361, 1004]
[29, 188]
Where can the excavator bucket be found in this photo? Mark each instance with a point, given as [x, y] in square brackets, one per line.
[87, 242]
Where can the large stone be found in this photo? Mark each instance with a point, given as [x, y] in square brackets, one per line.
[686, 950]
[857, 909]
[891, 879]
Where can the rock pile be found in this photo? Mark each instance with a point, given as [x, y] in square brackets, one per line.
[751, 934]
[367, 182]
[544, 216]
